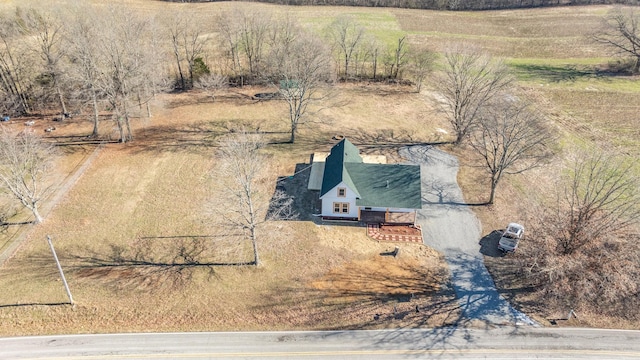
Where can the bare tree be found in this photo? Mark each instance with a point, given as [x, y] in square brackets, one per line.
[469, 81]
[229, 41]
[368, 52]
[86, 61]
[128, 71]
[46, 28]
[345, 34]
[584, 248]
[397, 58]
[421, 64]
[187, 42]
[621, 32]
[254, 30]
[305, 72]
[244, 36]
[245, 203]
[25, 163]
[511, 138]
[282, 34]
[15, 70]
[211, 83]
[600, 199]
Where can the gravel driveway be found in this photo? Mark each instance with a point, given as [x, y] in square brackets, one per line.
[449, 226]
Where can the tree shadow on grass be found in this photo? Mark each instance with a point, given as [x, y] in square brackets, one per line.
[190, 138]
[511, 283]
[366, 296]
[386, 142]
[34, 304]
[152, 262]
[551, 73]
[359, 297]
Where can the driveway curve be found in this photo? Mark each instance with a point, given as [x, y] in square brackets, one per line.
[451, 227]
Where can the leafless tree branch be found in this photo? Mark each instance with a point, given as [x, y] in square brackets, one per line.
[469, 81]
[25, 162]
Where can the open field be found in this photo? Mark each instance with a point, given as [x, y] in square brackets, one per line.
[139, 200]
[150, 196]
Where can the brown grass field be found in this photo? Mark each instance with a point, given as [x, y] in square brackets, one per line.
[144, 199]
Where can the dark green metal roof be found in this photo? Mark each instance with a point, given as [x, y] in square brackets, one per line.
[387, 185]
[375, 185]
[334, 169]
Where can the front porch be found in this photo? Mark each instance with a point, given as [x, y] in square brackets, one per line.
[387, 217]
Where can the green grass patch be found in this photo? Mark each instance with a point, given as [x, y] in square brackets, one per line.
[552, 73]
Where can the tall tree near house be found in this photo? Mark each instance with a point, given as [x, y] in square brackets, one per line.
[244, 202]
[82, 39]
[187, 42]
[345, 34]
[510, 138]
[305, 72]
[621, 33]
[25, 163]
[469, 80]
[46, 28]
[15, 68]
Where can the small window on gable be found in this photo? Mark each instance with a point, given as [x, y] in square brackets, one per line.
[342, 192]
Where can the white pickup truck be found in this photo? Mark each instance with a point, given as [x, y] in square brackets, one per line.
[511, 237]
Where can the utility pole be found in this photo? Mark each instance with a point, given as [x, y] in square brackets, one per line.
[64, 280]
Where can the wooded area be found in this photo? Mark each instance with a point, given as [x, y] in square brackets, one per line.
[444, 4]
[109, 63]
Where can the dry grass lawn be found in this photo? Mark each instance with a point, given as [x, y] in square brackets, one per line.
[139, 203]
[119, 227]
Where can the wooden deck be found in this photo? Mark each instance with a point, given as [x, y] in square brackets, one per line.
[381, 217]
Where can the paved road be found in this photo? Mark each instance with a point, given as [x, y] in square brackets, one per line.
[442, 343]
[451, 227]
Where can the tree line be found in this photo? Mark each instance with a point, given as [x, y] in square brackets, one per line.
[110, 62]
[462, 5]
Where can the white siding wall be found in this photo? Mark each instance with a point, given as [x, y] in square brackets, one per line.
[332, 197]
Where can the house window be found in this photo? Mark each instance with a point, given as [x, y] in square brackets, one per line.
[340, 208]
[342, 192]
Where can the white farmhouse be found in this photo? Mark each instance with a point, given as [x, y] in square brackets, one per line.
[352, 189]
